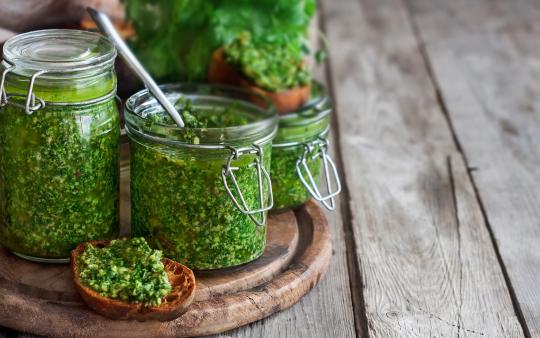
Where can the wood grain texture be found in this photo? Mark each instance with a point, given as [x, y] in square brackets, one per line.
[486, 62]
[427, 262]
[27, 312]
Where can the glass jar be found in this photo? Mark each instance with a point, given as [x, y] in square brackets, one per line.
[59, 134]
[202, 194]
[300, 155]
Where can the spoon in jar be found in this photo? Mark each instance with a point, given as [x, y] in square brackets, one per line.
[106, 27]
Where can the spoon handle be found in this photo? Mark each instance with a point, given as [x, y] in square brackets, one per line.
[106, 27]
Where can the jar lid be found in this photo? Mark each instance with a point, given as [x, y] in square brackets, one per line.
[58, 51]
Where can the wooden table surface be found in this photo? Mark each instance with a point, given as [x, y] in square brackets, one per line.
[437, 133]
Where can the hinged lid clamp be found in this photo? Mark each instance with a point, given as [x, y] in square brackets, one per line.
[3, 94]
[228, 171]
[32, 103]
[320, 146]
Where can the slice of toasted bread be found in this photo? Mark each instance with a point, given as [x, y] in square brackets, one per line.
[220, 71]
[286, 101]
[173, 305]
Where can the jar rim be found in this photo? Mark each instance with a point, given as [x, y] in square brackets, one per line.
[58, 52]
[259, 131]
[318, 107]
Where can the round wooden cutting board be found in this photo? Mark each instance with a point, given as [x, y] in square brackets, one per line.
[41, 298]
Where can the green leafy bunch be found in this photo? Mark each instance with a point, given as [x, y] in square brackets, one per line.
[175, 38]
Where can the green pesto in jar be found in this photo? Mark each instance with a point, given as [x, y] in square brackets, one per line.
[126, 269]
[289, 191]
[59, 165]
[179, 202]
[202, 119]
[180, 205]
[59, 178]
[304, 126]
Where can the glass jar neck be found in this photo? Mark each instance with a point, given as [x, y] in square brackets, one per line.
[302, 132]
[72, 88]
[308, 123]
[57, 65]
[260, 128]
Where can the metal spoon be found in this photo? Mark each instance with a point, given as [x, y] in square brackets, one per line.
[106, 27]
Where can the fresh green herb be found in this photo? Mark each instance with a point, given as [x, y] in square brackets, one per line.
[176, 38]
[58, 177]
[126, 269]
[271, 66]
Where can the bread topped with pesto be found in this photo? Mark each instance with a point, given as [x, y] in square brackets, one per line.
[276, 71]
[126, 279]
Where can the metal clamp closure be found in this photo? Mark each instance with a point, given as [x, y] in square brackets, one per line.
[228, 172]
[32, 103]
[320, 149]
[3, 94]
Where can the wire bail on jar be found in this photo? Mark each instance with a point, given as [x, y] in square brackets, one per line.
[321, 146]
[228, 171]
[3, 94]
[32, 103]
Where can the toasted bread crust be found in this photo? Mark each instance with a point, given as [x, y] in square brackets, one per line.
[221, 71]
[285, 101]
[175, 303]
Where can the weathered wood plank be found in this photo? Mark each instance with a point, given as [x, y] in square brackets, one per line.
[428, 265]
[486, 61]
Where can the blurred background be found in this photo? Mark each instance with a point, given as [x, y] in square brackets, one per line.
[175, 39]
